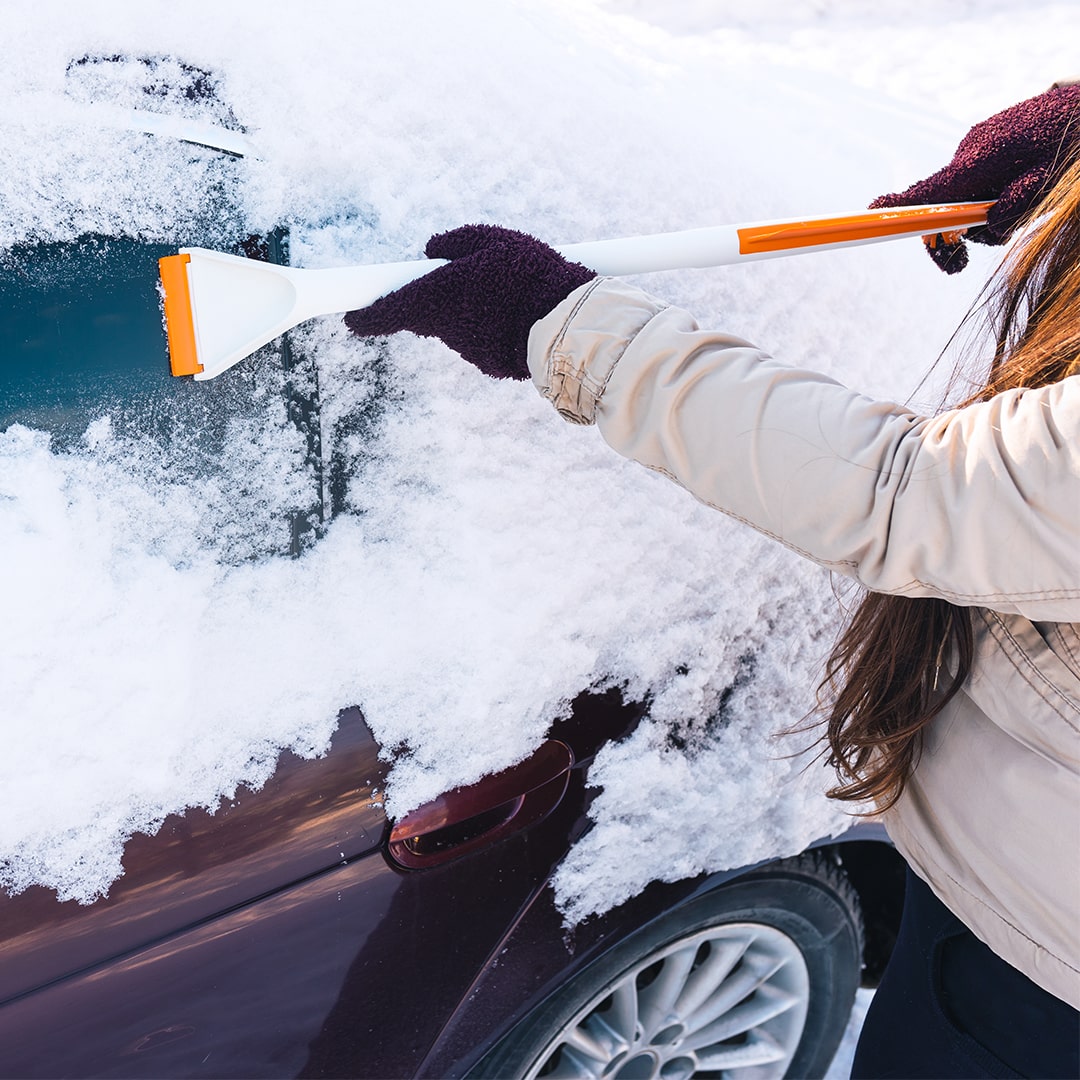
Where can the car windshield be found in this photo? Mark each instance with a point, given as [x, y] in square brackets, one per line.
[81, 335]
[83, 353]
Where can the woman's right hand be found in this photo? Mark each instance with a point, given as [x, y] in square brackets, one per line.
[1014, 157]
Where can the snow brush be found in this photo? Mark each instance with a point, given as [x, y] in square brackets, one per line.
[220, 308]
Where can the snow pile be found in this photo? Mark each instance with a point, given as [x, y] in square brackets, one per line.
[490, 561]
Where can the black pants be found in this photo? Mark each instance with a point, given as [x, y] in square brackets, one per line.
[949, 1007]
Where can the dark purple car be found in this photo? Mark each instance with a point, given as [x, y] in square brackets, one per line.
[300, 932]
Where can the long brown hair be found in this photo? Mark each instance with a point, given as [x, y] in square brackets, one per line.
[886, 678]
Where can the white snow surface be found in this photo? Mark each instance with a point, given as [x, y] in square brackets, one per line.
[492, 561]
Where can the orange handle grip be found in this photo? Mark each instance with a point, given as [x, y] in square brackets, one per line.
[869, 226]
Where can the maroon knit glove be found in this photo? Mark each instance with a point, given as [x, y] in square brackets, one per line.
[483, 302]
[1014, 157]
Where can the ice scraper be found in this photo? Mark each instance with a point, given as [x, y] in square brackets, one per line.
[220, 308]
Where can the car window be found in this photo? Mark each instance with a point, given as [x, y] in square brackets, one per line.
[82, 339]
[80, 331]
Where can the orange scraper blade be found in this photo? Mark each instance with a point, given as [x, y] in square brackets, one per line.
[179, 320]
[868, 226]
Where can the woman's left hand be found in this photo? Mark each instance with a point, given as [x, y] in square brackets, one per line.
[1014, 158]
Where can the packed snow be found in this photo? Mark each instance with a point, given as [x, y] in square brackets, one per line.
[489, 562]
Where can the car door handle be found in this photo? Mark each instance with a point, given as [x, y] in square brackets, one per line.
[483, 813]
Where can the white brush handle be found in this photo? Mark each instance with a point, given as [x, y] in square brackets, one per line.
[323, 292]
[346, 288]
[716, 246]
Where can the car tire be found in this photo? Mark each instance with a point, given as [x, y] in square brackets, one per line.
[754, 979]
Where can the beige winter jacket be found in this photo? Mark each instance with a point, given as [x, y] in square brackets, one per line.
[980, 506]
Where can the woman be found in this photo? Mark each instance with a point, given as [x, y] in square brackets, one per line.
[955, 691]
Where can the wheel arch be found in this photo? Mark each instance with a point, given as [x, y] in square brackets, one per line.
[597, 941]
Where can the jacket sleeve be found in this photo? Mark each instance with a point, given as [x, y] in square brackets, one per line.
[980, 505]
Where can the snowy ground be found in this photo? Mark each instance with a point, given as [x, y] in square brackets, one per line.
[841, 1064]
[146, 666]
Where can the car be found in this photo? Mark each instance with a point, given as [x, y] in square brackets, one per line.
[300, 930]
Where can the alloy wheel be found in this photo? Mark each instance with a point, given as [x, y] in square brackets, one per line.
[729, 999]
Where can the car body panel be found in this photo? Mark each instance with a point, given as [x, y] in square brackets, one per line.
[322, 977]
[277, 937]
[292, 959]
[239, 995]
[311, 815]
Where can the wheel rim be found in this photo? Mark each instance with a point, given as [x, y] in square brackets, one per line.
[729, 1000]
